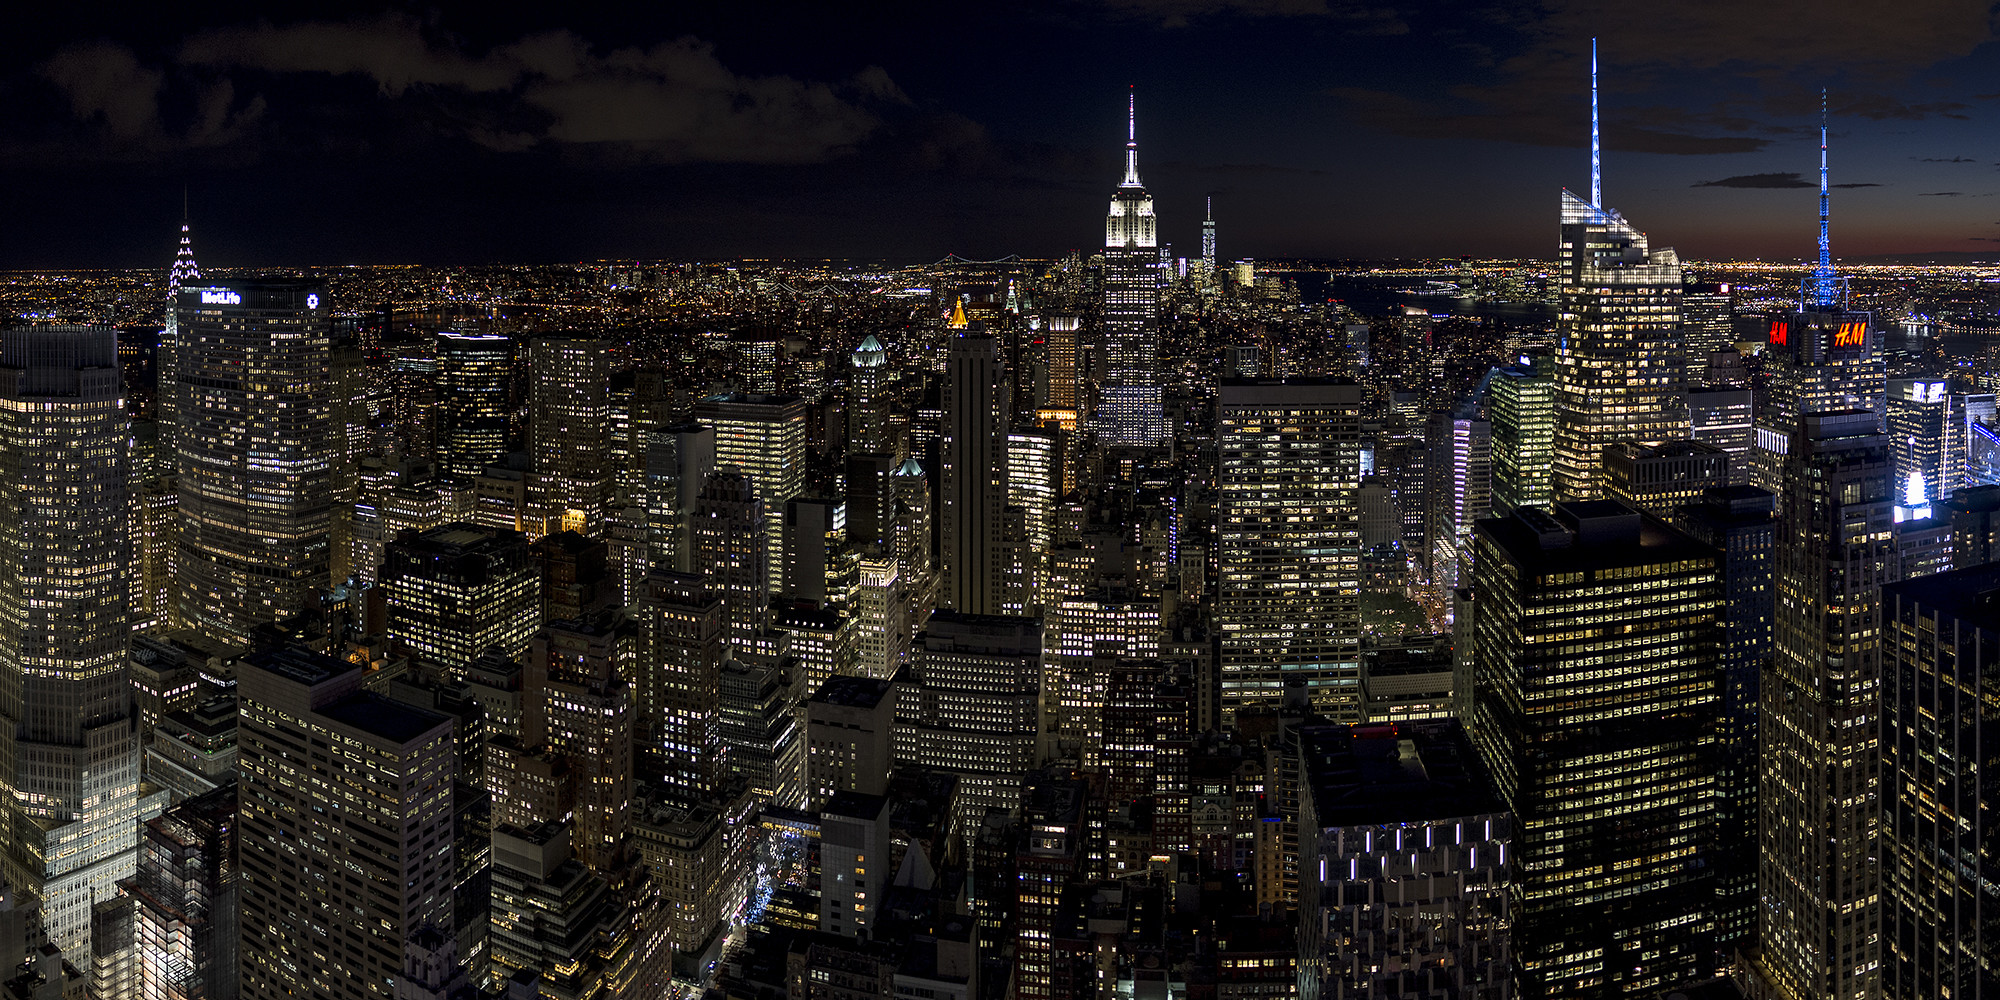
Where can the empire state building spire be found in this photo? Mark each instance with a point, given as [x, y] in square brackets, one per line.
[1131, 142]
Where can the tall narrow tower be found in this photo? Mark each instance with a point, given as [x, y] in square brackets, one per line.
[1618, 348]
[1130, 410]
[1819, 734]
[1820, 358]
[167, 360]
[974, 478]
[67, 750]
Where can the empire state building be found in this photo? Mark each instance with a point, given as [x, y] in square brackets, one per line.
[1129, 409]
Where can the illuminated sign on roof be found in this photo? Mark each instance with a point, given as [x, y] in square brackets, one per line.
[221, 298]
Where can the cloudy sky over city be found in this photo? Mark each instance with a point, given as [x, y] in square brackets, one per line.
[333, 133]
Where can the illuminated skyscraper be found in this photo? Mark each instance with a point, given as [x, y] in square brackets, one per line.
[1724, 417]
[1288, 543]
[569, 435]
[256, 442]
[579, 705]
[1819, 923]
[1618, 351]
[473, 369]
[728, 534]
[1595, 690]
[1130, 407]
[1929, 432]
[1708, 319]
[762, 437]
[1521, 404]
[185, 272]
[1821, 358]
[1740, 522]
[1941, 645]
[679, 707]
[68, 752]
[314, 748]
[975, 471]
[453, 592]
[868, 398]
[186, 889]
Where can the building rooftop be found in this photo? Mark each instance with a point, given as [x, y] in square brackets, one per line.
[1971, 595]
[1393, 773]
[301, 665]
[1588, 534]
[390, 719]
[852, 692]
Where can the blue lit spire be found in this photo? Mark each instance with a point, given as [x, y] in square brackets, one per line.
[1596, 174]
[1822, 284]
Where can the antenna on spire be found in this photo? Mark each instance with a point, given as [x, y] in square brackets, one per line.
[184, 204]
[1824, 288]
[1131, 139]
[1596, 174]
[1211, 208]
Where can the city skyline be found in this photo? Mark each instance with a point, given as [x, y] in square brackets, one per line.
[355, 135]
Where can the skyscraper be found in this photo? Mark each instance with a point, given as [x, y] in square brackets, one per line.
[1941, 643]
[185, 272]
[1130, 407]
[1821, 358]
[187, 893]
[68, 753]
[1618, 352]
[1819, 922]
[327, 768]
[762, 437]
[255, 444]
[868, 398]
[729, 539]
[1288, 543]
[1740, 522]
[569, 436]
[473, 370]
[455, 591]
[1594, 693]
[1521, 405]
[679, 695]
[975, 471]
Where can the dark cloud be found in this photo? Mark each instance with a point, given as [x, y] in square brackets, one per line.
[1857, 184]
[1758, 181]
[1944, 159]
[109, 90]
[1939, 194]
[674, 102]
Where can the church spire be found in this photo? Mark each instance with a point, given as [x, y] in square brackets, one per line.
[1131, 142]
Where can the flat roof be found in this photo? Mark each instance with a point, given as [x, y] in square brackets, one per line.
[1393, 772]
[385, 717]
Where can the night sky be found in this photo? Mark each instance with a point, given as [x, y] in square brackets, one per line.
[334, 134]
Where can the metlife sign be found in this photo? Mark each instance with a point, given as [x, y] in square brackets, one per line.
[221, 298]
